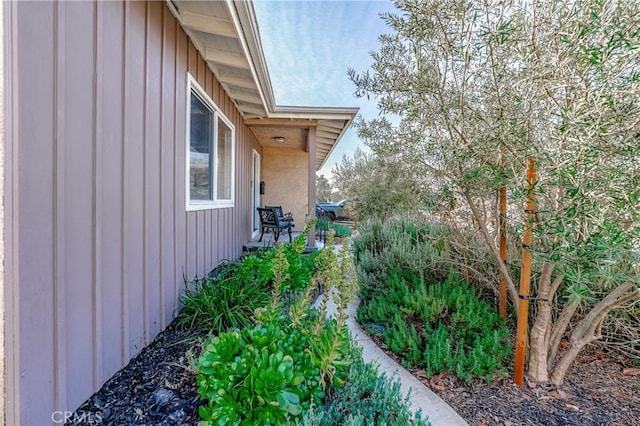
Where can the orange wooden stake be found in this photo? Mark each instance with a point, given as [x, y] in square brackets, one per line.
[525, 276]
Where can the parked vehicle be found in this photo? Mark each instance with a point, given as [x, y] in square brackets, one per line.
[332, 211]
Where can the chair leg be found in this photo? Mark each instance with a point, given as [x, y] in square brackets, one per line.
[289, 229]
[261, 234]
[277, 232]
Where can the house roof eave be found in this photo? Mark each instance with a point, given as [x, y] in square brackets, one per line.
[233, 23]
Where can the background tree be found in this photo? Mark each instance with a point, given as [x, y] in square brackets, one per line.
[481, 86]
[376, 187]
[323, 189]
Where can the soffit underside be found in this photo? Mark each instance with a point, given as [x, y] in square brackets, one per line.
[226, 35]
[213, 31]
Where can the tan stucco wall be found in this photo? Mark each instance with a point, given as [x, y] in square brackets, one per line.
[285, 173]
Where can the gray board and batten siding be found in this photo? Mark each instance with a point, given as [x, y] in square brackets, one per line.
[98, 238]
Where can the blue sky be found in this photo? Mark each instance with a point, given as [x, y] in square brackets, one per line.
[309, 46]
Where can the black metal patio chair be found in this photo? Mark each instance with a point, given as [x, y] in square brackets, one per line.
[269, 219]
[284, 217]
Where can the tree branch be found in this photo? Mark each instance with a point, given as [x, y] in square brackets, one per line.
[494, 250]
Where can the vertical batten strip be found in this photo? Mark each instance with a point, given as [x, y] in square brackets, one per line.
[188, 215]
[207, 214]
[191, 217]
[123, 198]
[161, 224]
[59, 323]
[153, 257]
[168, 165]
[178, 204]
[225, 212]
[109, 157]
[179, 163]
[219, 232]
[10, 273]
[134, 172]
[97, 198]
[211, 84]
[145, 133]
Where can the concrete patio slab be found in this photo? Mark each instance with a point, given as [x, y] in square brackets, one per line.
[268, 241]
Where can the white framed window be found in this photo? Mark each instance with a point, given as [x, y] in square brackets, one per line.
[210, 154]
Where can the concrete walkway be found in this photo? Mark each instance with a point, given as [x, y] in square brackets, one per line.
[421, 397]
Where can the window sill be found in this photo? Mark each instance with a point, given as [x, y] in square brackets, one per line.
[209, 205]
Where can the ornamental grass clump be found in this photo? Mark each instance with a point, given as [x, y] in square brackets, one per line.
[225, 302]
[229, 295]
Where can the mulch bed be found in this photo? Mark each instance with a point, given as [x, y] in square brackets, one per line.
[595, 392]
[158, 388]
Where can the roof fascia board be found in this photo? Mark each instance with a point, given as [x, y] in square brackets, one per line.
[243, 15]
[344, 129]
[317, 113]
[282, 122]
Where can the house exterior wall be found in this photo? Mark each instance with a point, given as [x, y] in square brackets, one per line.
[98, 236]
[286, 175]
[4, 130]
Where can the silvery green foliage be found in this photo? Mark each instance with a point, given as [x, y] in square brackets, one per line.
[378, 186]
[480, 86]
[557, 80]
[368, 398]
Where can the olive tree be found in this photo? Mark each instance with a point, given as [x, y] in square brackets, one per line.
[377, 187]
[323, 188]
[481, 86]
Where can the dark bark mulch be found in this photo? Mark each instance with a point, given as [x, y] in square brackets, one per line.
[595, 392]
[156, 388]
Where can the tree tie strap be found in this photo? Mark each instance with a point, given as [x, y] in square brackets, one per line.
[529, 297]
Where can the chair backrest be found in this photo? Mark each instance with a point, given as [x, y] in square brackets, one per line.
[278, 210]
[268, 216]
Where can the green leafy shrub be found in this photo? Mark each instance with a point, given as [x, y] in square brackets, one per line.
[425, 249]
[433, 319]
[270, 372]
[367, 398]
[341, 231]
[259, 375]
[442, 326]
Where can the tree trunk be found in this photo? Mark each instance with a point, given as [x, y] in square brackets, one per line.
[538, 367]
[494, 250]
[559, 329]
[588, 330]
[567, 359]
